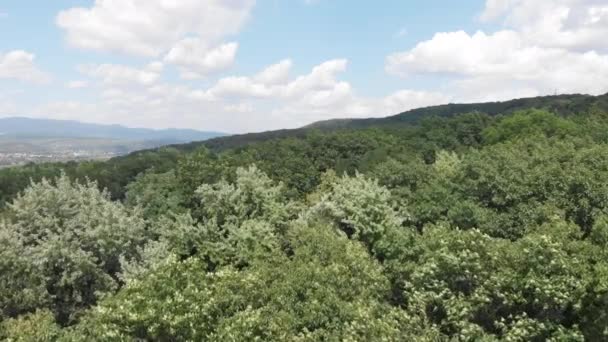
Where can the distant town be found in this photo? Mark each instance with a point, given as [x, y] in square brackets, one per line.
[29, 140]
[20, 158]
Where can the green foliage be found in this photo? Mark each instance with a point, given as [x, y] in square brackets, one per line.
[464, 228]
[360, 208]
[157, 194]
[529, 123]
[329, 289]
[113, 175]
[252, 196]
[36, 327]
[241, 219]
[22, 285]
[200, 167]
[63, 243]
[599, 234]
[474, 287]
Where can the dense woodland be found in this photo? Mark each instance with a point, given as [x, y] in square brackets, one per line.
[482, 226]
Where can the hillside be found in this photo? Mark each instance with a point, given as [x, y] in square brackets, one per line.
[563, 105]
[472, 227]
[426, 171]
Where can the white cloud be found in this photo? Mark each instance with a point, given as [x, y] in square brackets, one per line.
[404, 100]
[318, 95]
[78, 84]
[151, 27]
[561, 51]
[273, 82]
[269, 99]
[275, 74]
[195, 59]
[494, 9]
[460, 53]
[114, 74]
[20, 65]
[239, 108]
[194, 36]
[322, 77]
[581, 25]
[230, 87]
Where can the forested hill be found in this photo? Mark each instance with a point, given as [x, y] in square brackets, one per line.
[468, 227]
[563, 105]
[417, 126]
[560, 104]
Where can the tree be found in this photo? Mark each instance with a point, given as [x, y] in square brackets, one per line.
[359, 207]
[64, 242]
[157, 194]
[529, 123]
[35, 327]
[327, 288]
[236, 223]
[199, 167]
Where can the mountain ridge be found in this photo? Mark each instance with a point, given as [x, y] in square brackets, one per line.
[17, 126]
[565, 105]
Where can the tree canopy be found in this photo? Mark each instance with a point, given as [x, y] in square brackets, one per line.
[469, 228]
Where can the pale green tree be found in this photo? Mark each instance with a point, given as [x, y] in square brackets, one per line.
[64, 242]
[359, 207]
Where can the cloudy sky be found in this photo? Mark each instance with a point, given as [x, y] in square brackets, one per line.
[247, 65]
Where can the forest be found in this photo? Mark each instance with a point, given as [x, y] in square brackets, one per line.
[476, 226]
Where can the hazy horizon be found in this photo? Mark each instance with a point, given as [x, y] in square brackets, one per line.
[249, 66]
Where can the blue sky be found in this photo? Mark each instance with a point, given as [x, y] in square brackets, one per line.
[246, 65]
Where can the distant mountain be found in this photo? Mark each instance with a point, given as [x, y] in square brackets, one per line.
[28, 127]
[24, 140]
[561, 104]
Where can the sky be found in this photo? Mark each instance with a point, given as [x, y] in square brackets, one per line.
[254, 65]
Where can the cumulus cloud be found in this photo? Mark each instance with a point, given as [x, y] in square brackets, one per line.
[481, 54]
[273, 82]
[275, 74]
[318, 95]
[20, 65]
[504, 57]
[115, 74]
[561, 50]
[194, 36]
[195, 59]
[573, 24]
[268, 99]
[151, 27]
[241, 86]
[321, 78]
[404, 100]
